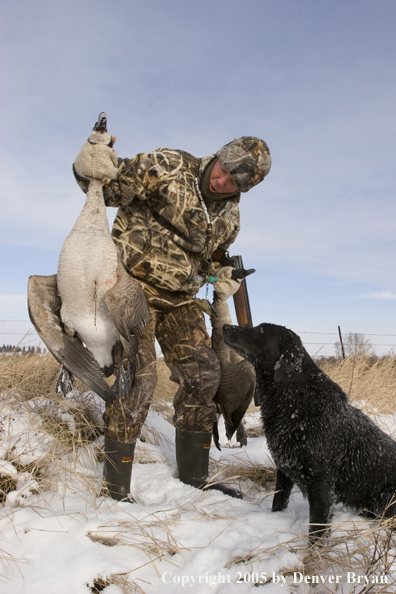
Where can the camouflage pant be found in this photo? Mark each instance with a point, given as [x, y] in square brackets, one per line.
[179, 326]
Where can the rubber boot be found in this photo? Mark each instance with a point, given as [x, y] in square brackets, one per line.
[117, 468]
[192, 457]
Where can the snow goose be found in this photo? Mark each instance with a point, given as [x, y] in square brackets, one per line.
[82, 312]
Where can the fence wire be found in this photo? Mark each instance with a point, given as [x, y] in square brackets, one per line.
[32, 334]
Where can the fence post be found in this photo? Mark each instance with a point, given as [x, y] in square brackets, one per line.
[342, 344]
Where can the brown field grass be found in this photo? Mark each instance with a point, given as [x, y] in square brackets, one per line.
[34, 375]
[369, 382]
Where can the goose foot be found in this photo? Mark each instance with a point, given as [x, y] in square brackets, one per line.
[241, 435]
[66, 382]
[125, 376]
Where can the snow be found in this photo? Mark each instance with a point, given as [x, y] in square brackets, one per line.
[61, 538]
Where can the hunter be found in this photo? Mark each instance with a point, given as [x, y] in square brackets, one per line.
[174, 212]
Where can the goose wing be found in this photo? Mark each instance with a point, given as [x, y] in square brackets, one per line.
[128, 306]
[44, 306]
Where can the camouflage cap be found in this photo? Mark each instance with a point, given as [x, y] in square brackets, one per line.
[247, 159]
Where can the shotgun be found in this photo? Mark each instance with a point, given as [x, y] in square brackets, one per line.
[241, 297]
[242, 304]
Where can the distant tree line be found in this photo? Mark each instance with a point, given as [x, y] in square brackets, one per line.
[11, 348]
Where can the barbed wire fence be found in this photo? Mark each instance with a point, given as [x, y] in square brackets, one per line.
[28, 337]
[22, 341]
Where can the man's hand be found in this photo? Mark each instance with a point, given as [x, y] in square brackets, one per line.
[96, 161]
[226, 286]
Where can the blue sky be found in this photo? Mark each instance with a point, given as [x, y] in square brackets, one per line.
[315, 79]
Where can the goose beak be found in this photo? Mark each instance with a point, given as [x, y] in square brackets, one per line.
[101, 124]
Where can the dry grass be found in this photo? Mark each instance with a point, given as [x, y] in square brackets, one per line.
[122, 580]
[364, 549]
[66, 426]
[48, 446]
[152, 536]
[34, 375]
[250, 476]
[30, 375]
[45, 437]
[370, 383]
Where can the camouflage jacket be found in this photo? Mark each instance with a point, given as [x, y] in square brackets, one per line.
[161, 229]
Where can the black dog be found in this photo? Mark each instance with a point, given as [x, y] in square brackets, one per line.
[331, 450]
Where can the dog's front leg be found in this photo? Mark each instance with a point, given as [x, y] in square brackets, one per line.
[283, 489]
[321, 501]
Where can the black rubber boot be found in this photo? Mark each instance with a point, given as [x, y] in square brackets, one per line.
[117, 468]
[192, 457]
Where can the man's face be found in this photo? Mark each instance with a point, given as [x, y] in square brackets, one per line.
[221, 180]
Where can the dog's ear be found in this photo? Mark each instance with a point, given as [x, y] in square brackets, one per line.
[290, 364]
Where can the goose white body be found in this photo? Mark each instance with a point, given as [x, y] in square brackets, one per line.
[87, 269]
